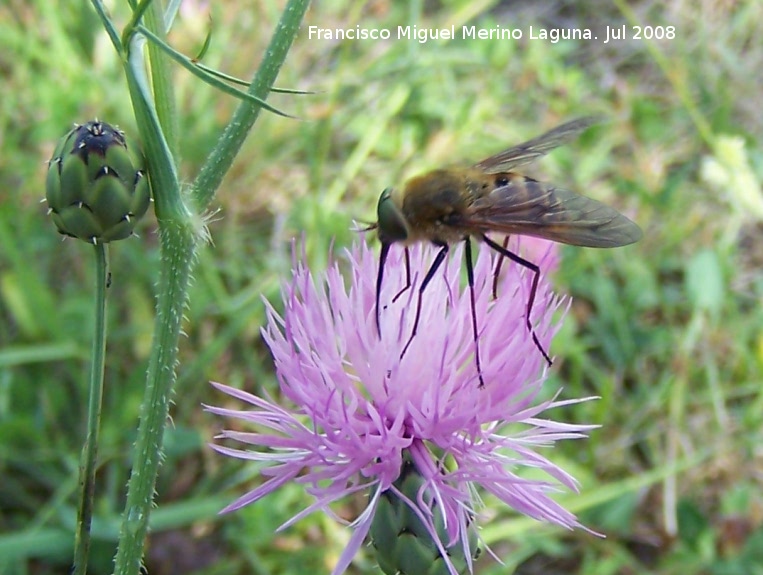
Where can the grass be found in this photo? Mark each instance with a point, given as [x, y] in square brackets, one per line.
[667, 332]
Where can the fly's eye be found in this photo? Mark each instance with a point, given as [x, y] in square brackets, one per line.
[391, 222]
[501, 181]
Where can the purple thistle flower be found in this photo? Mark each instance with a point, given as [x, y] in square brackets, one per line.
[357, 412]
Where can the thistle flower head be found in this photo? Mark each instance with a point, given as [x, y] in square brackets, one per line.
[355, 416]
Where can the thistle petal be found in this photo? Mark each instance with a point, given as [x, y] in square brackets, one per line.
[419, 433]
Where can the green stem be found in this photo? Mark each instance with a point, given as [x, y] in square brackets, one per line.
[178, 248]
[180, 230]
[220, 160]
[178, 241]
[161, 79]
[90, 450]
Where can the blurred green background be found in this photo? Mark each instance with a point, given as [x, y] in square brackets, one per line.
[669, 332]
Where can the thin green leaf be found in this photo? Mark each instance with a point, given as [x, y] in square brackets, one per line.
[240, 82]
[294, 91]
[189, 65]
[207, 43]
[170, 14]
[135, 20]
[27, 354]
[111, 30]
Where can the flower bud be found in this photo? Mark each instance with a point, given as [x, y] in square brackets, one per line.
[403, 543]
[96, 186]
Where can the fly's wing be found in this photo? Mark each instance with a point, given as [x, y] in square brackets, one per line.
[532, 208]
[531, 150]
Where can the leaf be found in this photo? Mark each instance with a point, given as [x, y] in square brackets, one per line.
[704, 282]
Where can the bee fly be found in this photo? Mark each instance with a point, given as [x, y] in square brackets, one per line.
[451, 205]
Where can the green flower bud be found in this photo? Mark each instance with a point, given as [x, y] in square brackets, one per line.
[402, 542]
[96, 186]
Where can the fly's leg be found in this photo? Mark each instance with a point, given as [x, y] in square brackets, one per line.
[380, 276]
[470, 278]
[533, 288]
[439, 258]
[497, 271]
[407, 276]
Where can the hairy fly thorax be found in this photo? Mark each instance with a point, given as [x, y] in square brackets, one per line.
[435, 205]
